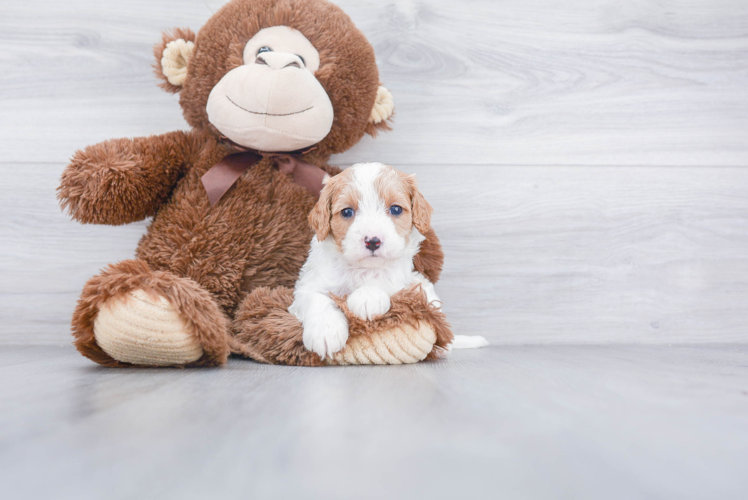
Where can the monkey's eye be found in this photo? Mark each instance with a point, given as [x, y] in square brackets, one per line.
[396, 210]
[264, 49]
[347, 213]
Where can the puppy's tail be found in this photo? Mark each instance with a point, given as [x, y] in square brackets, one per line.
[468, 342]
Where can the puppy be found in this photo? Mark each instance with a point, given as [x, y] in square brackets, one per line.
[369, 224]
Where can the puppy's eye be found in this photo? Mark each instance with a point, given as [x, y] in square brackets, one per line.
[346, 213]
[264, 49]
[302, 59]
[396, 210]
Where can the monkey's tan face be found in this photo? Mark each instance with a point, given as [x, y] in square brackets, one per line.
[273, 102]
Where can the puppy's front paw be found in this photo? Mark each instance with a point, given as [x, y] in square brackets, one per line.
[326, 333]
[368, 302]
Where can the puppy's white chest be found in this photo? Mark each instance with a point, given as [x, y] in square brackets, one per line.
[387, 280]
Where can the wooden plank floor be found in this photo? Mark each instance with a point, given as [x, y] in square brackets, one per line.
[588, 165]
[512, 422]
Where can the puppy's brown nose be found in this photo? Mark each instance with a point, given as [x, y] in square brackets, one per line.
[373, 243]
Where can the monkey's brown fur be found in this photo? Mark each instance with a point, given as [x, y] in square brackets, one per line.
[267, 332]
[207, 260]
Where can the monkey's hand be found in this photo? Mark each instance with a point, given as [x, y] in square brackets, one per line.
[124, 180]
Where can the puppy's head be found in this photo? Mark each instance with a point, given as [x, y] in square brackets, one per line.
[370, 210]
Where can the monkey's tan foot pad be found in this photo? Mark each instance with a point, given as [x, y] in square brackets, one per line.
[145, 329]
[394, 346]
[411, 331]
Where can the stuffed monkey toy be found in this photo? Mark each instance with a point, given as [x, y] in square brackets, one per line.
[270, 89]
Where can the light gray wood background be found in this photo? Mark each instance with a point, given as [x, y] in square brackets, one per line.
[540, 422]
[588, 164]
[588, 161]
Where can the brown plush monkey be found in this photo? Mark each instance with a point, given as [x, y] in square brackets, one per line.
[271, 88]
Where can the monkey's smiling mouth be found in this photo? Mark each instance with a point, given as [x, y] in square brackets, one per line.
[268, 114]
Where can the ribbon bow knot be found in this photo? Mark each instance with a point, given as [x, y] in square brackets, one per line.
[224, 174]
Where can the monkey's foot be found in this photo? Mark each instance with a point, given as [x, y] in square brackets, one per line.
[130, 315]
[145, 329]
[411, 331]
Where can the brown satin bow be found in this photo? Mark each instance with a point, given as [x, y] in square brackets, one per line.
[224, 174]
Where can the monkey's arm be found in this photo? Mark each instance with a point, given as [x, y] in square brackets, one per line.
[125, 180]
[430, 258]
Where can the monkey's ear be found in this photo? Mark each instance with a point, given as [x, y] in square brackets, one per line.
[381, 113]
[172, 56]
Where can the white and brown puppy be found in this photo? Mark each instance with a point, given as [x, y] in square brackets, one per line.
[369, 224]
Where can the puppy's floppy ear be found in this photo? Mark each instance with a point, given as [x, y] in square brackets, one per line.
[172, 56]
[381, 113]
[419, 206]
[319, 218]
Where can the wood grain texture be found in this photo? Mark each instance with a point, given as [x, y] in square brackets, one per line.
[511, 82]
[538, 254]
[576, 254]
[588, 164]
[587, 160]
[511, 422]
